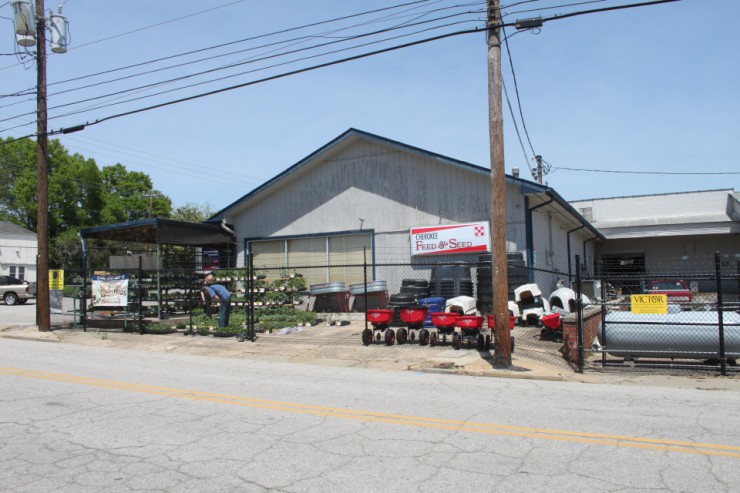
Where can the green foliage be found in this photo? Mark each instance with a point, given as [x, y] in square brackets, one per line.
[80, 195]
[155, 328]
[193, 213]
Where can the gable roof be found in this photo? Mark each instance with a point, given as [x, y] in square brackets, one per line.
[543, 192]
[8, 228]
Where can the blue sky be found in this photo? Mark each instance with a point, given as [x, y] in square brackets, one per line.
[645, 89]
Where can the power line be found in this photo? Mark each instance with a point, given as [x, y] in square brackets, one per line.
[627, 172]
[221, 45]
[149, 86]
[250, 61]
[344, 60]
[146, 27]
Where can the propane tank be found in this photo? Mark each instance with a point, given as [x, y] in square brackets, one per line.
[24, 18]
[59, 27]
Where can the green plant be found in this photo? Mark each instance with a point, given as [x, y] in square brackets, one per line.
[229, 331]
[297, 283]
[159, 329]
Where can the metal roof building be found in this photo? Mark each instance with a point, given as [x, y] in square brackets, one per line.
[668, 233]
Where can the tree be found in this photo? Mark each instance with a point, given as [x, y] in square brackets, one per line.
[128, 194]
[80, 195]
[193, 213]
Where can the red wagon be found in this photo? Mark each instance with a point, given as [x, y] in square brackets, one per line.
[491, 323]
[553, 327]
[413, 317]
[445, 323]
[381, 321]
[470, 330]
[512, 323]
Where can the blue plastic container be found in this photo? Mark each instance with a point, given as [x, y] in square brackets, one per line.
[435, 304]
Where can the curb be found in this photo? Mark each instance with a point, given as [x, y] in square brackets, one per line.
[492, 374]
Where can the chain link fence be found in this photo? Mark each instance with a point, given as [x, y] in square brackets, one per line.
[665, 317]
[614, 327]
[321, 304]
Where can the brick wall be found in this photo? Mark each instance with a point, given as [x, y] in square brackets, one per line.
[591, 321]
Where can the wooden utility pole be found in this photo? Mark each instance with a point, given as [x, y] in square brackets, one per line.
[43, 313]
[500, 289]
[538, 158]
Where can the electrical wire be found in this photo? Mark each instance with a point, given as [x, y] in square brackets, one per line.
[149, 86]
[516, 90]
[221, 45]
[253, 60]
[347, 59]
[627, 172]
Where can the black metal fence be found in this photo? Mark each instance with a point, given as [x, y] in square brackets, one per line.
[319, 304]
[592, 323]
[687, 317]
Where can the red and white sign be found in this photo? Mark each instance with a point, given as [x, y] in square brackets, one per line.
[451, 239]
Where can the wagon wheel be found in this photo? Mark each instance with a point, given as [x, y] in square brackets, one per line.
[433, 340]
[481, 342]
[367, 337]
[558, 336]
[412, 336]
[456, 341]
[444, 338]
[390, 337]
[488, 343]
[402, 336]
[423, 337]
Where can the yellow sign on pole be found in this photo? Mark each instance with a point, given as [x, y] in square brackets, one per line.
[649, 303]
[56, 279]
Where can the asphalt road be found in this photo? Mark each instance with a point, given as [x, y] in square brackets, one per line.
[78, 418]
[19, 314]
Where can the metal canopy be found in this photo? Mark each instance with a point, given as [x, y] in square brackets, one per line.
[162, 232]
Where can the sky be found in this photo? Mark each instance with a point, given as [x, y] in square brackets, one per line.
[625, 92]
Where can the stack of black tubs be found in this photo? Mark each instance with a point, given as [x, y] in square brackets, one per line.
[412, 290]
[516, 273]
[452, 280]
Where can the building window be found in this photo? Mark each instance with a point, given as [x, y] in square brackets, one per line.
[334, 257]
[587, 213]
[19, 272]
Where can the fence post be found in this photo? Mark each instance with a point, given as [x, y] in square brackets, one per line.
[252, 277]
[603, 316]
[364, 268]
[579, 313]
[139, 285]
[720, 315]
[83, 298]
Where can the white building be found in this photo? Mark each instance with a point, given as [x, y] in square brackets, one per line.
[675, 233]
[362, 193]
[18, 251]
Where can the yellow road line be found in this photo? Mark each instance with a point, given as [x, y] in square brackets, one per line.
[678, 446]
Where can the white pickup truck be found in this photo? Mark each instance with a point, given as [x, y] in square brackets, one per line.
[14, 291]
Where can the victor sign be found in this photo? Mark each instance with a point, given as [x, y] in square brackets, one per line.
[450, 239]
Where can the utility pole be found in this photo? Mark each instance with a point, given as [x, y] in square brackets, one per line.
[500, 288]
[538, 158]
[43, 312]
[30, 26]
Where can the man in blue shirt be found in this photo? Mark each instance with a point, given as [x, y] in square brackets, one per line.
[221, 294]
